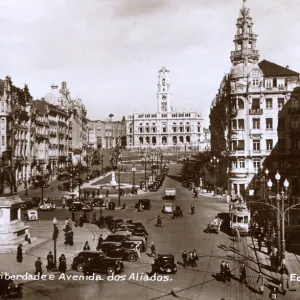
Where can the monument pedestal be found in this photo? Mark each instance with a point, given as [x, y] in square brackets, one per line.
[12, 229]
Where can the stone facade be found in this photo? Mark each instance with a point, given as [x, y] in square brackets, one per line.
[254, 118]
[166, 127]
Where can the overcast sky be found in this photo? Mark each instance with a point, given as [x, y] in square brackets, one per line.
[110, 51]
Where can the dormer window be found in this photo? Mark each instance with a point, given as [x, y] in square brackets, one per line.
[280, 82]
[268, 83]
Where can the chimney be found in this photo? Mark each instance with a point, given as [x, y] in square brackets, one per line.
[287, 66]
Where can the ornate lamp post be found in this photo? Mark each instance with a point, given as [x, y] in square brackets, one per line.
[55, 236]
[277, 177]
[119, 190]
[145, 162]
[283, 198]
[161, 160]
[133, 177]
[214, 161]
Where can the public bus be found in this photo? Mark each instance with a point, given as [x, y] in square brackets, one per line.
[239, 218]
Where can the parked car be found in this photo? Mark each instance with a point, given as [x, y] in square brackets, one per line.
[154, 187]
[168, 208]
[62, 177]
[118, 237]
[71, 196]
[31, 215]
[132, 245]
[76, 206]
[48, 205]
[133, 229]
[99, 262]
[144, 202]
[87, 207]
[170, 193]
[103, 221]
[30, 203]
[165, 263]
[115, 249]
[46, 184]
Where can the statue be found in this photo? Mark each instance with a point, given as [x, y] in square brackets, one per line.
[113, 179]
[7, 175]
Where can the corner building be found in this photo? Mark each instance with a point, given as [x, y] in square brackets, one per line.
[254, 118]
[165, 127]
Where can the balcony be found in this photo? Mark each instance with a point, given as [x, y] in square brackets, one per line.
[256, 111]
[238, 53]
[256, 131]
[294, 110]
[234, 113]
[246, 35]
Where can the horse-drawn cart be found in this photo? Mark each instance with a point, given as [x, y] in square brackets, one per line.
[215, 225]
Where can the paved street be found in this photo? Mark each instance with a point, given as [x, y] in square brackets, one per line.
[175, 236]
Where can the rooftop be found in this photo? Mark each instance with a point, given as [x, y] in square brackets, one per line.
[271, 69]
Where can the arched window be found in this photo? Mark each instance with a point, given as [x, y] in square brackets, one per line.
[153, 140]
[241, 104]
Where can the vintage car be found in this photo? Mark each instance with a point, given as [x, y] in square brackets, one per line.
[47, 205]
[70, 196]
[132, 245]
[165, 263]
[31, 215]
[116, 237]
[76, 206]
[144, 202]
[87, 206]
[99, 262]
[115, 249]
[167, 208]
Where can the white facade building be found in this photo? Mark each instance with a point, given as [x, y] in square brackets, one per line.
[165, 127]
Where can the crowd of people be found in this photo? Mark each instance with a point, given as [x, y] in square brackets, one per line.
[189, 259]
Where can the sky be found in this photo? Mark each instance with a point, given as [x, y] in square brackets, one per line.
[109, 51]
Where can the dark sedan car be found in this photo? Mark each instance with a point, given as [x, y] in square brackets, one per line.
[165, 263]
[99, 262]
[115, 249]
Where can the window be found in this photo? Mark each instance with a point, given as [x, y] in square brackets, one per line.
[280, 124]
[269, 123]
[269, 103]
[255, 82]
[233, 122]
[187, 129]
[199, 129]
[256, 123]
[255, 104]
[2, 106]
[130, 130]
[269, 144]
[241, 104]
[241, 163]
[294, 122]
[164, 128]
[174, 129]
[3, 141]
[256, 145]
[241, 124]
[280, 82]
[233, 145]
[147, 129]
[241, 145]
[181, 129]
[2, 123]
[280, 102]
[269, 83]
[141, 129]
[153, 129]
[256, 163]
[281, 144]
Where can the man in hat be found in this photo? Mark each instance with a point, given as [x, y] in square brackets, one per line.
[38, 267]
[100, 241]
[20, 254]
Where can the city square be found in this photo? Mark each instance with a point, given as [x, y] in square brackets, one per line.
[166, 163]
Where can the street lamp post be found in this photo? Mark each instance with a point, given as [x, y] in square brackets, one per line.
[277, 177]
[284, 196]
[133, 177]
[55, 236]
[119, 191]
[214, 162]
[145, 162]
[161, 160]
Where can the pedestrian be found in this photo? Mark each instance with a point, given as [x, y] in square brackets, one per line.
[192, 209]
[100, 241]
[153, 250]
[19, 254]
[62, 264]
[87, 268]
[273, 294]
[175, 214]
[38, 267]
[50, 263]
[259, 238]
[184, 258]
[180, 211]
[159, 223]
[191, 259]
[283, 269]
[222, 271]
[227, 272]
[243, 274]
[195, 255]
[273, 259]
[261, 283]
[86, 246]
[284, 282]
[80, 221]
[63, 203]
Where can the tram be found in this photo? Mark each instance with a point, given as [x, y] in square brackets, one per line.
[239, 218]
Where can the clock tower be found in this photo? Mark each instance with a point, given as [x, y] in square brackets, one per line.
[163, 93]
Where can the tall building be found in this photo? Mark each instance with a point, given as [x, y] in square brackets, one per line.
[77, 122]
[254, 118]
[166, 127]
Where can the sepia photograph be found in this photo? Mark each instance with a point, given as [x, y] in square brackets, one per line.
[150, 149]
